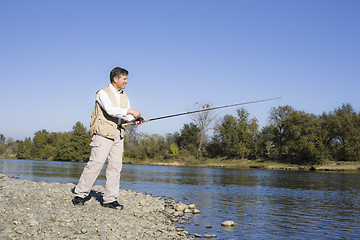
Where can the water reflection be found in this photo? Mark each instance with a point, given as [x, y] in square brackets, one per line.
[265, 204]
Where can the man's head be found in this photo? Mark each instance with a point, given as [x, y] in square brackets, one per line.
[118, 78]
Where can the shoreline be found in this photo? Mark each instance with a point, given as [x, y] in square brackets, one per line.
[33, 210]
[258, 164]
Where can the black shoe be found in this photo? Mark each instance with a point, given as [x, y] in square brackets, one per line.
[78, 201]
[114, 204]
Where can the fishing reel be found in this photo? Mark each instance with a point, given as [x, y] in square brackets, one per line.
[140, 119]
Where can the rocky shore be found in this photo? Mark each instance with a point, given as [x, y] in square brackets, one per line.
[39, 210]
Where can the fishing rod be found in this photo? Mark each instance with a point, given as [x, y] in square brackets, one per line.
[196, 111]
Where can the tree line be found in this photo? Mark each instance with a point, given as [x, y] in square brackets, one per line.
[291, 136]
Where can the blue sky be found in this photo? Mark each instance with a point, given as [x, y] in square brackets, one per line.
[56, 54]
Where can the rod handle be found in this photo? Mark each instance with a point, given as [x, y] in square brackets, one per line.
[133, 123]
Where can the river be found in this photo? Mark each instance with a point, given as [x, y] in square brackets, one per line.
[266, 204]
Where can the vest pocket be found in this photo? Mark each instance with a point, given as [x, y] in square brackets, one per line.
[106, 128]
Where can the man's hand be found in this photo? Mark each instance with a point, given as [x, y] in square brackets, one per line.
[135, 113]
[139, 121]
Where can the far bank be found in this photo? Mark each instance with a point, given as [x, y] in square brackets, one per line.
[336, 166]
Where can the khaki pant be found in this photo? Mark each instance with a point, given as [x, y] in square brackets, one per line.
[102, 149]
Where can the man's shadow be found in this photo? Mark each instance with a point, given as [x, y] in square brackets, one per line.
[93, 194]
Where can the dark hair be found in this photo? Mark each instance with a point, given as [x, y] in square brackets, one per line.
[116, 72]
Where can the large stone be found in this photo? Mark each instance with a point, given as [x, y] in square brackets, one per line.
[229, 223]
[180, 207]
[192, 206]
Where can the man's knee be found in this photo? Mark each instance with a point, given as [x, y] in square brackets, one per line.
[114, 166]
[94, 166]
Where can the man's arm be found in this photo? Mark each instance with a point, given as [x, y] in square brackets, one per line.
[105, 103]
[134, 113]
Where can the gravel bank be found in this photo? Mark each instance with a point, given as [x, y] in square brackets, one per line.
[39, 210]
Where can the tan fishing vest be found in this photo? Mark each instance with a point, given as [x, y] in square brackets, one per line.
[102, 123]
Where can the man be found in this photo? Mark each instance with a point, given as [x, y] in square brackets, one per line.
[112, 107]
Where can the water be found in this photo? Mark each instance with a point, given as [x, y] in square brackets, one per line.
[265, 204]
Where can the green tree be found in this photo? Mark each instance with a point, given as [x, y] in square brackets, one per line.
[74, 146]
[305, 144]
[2, 144]
[187, 140]
[279, 130]
[174, 150]
[263, 144]
[132, 150]
[155, 146]
[42, 147]
[236, 136]
[24, 149]
[294, 136]
[144, 146]
[341, 131]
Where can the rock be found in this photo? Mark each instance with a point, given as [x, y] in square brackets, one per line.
[192, 206]
[196, 211]
[142, 202]
[197, 235]
[180, 229]
[33, 222]
[20, 229]
[188, 210]
[180, 207]
[229, 223]
[210, 236]
[177, 213]
[169, 210]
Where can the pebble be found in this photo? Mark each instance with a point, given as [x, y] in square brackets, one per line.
[188, 210]
[210, 236]
[40, 210]
[192, 206]
[180, 229]
[229, 223]
[196, 211]
[20, 230]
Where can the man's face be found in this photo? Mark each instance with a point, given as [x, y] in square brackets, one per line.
[120, 82]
